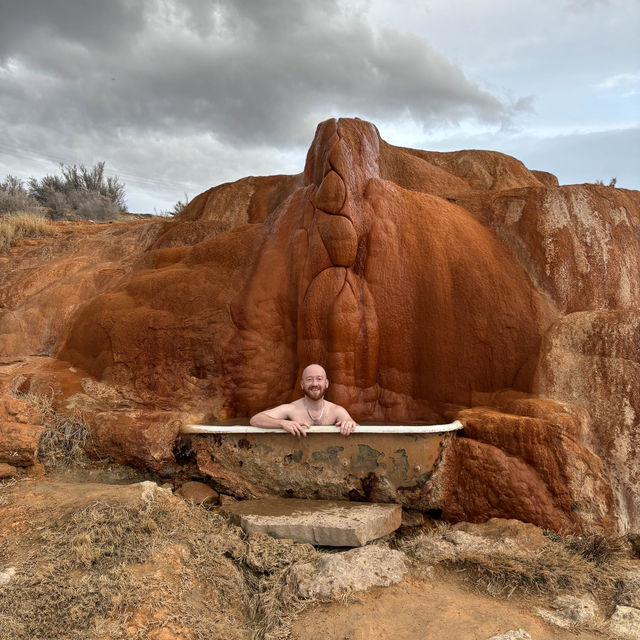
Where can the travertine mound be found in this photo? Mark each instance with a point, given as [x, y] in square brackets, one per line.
[425, 282]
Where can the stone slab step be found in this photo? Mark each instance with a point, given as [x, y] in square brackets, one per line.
[320, 522]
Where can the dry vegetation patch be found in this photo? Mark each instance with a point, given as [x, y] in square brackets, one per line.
[575, 564]
[99, 561]
[23, 225]
[91, 572]
[62, 442]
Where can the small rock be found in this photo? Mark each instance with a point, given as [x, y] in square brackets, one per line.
[7, 470]
[355, 570]
[7, 574]
[226, 501]
[625, 622]
[630, 589]
[198, 492]
[515, 634]
[150, 491]
[570, 611]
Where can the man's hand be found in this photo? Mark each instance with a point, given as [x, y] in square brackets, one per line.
[295, 428]
[347, 427]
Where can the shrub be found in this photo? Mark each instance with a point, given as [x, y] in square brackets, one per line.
[97, 207]
[612, 182]
[178, 207]
[14, 197]
[80, 187]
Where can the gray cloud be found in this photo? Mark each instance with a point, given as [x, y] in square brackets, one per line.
[180, 95]
[249, 72]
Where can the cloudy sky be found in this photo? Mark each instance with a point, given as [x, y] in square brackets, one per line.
[180, 95]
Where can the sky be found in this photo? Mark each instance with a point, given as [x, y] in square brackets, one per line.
[179, 96]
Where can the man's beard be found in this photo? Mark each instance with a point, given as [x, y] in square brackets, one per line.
[315, 395]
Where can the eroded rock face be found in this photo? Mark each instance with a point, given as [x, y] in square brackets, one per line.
[532, 467]
[387, 287]
[425, 283]
[592, 359]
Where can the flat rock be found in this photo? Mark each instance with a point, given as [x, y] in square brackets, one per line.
[319, 522]
[570, 611]
[625, 622]
[337, 574]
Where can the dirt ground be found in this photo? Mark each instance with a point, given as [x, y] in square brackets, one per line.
[438, 609]
[199, 566]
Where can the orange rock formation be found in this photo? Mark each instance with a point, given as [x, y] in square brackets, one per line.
[425, 282]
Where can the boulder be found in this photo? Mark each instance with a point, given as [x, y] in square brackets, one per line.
[532, 468]
[570, 611]
[19, 443]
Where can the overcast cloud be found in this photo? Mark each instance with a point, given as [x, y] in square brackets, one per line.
[179, 96]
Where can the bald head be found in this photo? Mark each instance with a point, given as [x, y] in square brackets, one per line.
[314, 381]
[313, 370]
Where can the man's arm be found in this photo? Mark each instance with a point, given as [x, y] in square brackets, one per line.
[343, 420]
[279, 417]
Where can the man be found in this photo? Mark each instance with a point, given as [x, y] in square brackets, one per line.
[311, 409]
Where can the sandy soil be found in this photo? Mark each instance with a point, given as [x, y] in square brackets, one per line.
[437, 609]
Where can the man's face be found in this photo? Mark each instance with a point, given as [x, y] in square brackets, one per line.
[314, 382]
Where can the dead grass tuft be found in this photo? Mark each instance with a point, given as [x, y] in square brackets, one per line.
[599, 549]
[275, 603]
[62, 442]
[591, 563]
[5, 485]
[23, 225]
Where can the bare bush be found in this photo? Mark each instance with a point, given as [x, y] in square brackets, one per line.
[80, 187]
[14, 197]
[97, 207]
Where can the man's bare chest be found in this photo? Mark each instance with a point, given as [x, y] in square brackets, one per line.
[317, 417]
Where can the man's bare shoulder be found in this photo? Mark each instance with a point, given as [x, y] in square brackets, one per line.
[282, 411]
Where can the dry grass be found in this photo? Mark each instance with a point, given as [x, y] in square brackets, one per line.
[88, 573]
[23, 225]
[275, 603]
[599, 549]
[115, 570]
[564, 565]
[62, 442]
